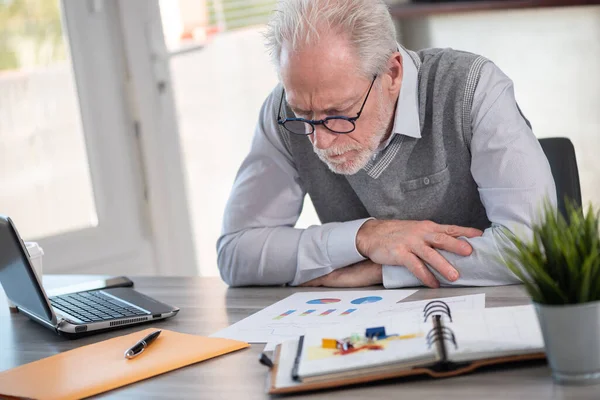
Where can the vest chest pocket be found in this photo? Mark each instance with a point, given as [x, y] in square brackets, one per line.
[425, 181]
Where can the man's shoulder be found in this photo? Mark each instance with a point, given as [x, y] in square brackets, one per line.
[449, 56]
[450, 66]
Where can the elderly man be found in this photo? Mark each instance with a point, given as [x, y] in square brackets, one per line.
[417, 163]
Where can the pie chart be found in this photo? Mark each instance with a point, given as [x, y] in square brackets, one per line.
[365, 300]
[323, 301]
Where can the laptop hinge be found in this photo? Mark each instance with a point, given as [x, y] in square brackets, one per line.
[41, 320]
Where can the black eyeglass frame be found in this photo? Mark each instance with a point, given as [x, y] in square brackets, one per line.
[324, 121]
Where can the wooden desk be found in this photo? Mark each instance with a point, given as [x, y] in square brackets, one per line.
[207, 305]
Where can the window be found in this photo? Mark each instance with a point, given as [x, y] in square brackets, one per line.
[44, 172]
[220, 68]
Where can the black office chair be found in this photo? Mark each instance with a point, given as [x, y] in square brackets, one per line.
[561, 156]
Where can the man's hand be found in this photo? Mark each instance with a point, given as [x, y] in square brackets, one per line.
[409, 243]
[364, 273]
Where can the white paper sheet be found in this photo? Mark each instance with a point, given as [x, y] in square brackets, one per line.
[291, 316]
[396, 315]
[495, 332]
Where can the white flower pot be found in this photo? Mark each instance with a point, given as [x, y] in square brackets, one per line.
[572, 340]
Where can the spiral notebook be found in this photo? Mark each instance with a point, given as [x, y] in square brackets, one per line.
[437, 342]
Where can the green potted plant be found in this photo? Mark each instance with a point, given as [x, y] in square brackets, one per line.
[560, 268]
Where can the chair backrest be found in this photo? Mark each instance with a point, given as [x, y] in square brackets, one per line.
[561, 156]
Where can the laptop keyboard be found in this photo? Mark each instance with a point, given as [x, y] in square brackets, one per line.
[94, 306]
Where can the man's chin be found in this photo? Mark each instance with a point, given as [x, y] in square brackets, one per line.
[349, 167]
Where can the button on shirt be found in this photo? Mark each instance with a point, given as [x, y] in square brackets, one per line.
[260, 246]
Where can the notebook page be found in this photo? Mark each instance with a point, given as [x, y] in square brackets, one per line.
[494, 332]
[409, 347]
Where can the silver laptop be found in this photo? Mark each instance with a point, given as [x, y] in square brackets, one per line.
[75, 314]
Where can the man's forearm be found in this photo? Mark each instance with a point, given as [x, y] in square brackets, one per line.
[484, 267]
[285, 255]
[241, 262]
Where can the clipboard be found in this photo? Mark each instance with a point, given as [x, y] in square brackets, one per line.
[101, 366]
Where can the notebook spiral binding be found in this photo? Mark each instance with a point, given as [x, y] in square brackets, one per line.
[446, 334]
[436, 306]
[439, 333]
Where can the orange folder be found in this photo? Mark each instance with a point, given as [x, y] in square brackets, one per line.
[100, 367]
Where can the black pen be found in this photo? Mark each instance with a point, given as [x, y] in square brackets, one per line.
[295, 375]
[139, 347]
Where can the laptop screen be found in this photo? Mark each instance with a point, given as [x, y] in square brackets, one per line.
[17, 276]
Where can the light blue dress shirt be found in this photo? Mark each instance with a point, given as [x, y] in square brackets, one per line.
[260, 246]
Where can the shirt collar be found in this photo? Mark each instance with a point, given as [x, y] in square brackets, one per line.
[406, 119]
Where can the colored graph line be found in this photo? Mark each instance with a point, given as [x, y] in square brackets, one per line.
[307, 312]
[285, 314]
[348, 311]
[324, 313]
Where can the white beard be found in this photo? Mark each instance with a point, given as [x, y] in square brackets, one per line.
[363, 154]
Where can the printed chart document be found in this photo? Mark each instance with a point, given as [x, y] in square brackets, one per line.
[409, 313]
[295, 314]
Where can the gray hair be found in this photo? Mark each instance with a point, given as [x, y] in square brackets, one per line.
[367, 23]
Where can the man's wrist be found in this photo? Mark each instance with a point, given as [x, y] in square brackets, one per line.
[379, 274]
[395, 277]
[362, 237]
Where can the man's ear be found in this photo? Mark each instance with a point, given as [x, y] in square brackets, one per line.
[394, 74]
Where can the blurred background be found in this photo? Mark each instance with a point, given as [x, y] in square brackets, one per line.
[123, 123]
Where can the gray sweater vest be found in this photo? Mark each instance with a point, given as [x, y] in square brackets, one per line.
[412, 179]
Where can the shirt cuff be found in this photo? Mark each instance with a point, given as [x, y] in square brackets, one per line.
[341, 244]
[395, 277]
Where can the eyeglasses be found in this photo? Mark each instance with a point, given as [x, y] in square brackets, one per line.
[336, 124]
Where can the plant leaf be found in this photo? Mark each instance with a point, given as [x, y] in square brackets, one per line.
[560, 264]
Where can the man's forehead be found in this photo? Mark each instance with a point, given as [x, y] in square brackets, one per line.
[315, 74]
[321, 97]
[326, 63]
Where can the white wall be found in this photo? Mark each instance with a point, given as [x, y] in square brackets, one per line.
[553, 57]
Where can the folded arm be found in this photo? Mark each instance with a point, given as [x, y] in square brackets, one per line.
[513, 176]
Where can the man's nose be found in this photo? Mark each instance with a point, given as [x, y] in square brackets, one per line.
[322, 138]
